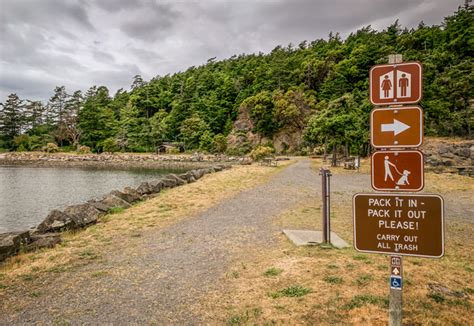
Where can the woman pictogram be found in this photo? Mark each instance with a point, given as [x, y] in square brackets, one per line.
[386, 86]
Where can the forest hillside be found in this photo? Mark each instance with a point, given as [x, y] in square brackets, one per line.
[295, 97]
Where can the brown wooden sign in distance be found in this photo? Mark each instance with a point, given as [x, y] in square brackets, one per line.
[397, 170]
[409, 225]
[399, 83]
[396, 127]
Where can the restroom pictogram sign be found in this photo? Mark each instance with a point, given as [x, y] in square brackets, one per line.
[399, 83]
[397, 170]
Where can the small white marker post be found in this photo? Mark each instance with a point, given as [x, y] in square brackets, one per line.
[396, 293]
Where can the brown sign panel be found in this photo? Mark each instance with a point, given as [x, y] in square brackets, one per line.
[396, 127]
[397, 170]
[399, 83]
[398, 224]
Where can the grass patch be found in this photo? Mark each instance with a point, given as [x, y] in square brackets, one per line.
[273, 271]
[366, 299]
[116, 210]
[245, 317]
[35, 294]
[364, 279]
[88, 254]
[291, 292]
[436, 297]
[333, 279]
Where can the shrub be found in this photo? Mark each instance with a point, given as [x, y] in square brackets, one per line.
[51, 148]
[84, 149]
[172, 150]
[21, 143]
[110, 145]
[261, 152]
[219, 143]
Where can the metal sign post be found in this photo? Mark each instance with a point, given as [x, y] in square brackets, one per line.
[326, 199]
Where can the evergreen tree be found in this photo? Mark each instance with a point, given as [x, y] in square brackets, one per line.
[12, 119]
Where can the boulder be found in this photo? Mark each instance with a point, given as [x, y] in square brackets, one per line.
[168, 183]
[218, 168]
[133, 194]
[185, 176]
[464, 152]
[83, 214]
[111, 201]
[197, 173]
[145, 188]
[11, 243]
[47, 240]
[99, 205]
[56, 221]
[178, 180]
[156, 186]
[128, 197]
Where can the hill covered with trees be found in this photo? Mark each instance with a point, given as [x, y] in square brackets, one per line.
[317, 89]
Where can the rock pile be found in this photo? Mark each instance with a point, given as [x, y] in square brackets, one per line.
[448, 153]
[119, 159]
[46, 234]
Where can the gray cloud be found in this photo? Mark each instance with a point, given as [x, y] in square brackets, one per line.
[80, 43]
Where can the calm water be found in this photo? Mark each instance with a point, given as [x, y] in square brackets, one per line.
[28, 194]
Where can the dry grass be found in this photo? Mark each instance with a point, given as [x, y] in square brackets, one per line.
[346, 287]
[26, 272]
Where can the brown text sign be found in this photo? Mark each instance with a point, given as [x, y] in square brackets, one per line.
[397, 170]
[399, 83]
[410, 225]
[396, 127]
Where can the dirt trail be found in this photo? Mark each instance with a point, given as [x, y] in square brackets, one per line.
[161, 279]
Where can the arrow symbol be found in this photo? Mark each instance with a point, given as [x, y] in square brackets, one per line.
[395, 271]
[397, 127]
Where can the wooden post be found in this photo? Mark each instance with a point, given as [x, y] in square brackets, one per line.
[395, 309]
[334, 155]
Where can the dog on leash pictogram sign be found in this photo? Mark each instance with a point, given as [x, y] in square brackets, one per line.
[397, 171]
[399, 83]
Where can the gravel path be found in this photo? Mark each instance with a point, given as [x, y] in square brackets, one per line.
[160, 280]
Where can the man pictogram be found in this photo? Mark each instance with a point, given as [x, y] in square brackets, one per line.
[403, 84]
[386, 86]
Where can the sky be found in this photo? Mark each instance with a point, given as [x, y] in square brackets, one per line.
[81, 43]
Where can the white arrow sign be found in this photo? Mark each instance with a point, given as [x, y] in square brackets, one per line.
[395, 271]
[397, 127]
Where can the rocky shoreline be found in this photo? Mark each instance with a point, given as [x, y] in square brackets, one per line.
[47, 233]
[116, 160]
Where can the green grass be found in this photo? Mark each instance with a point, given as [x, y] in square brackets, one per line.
[273, 271]
[245, 317]
[291, 292]
[333, 279]
[365, 299]
[115, 210]
[88, 254]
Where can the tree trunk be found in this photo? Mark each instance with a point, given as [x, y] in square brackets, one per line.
[334, 155]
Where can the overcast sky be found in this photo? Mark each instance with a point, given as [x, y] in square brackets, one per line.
[80, 43]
